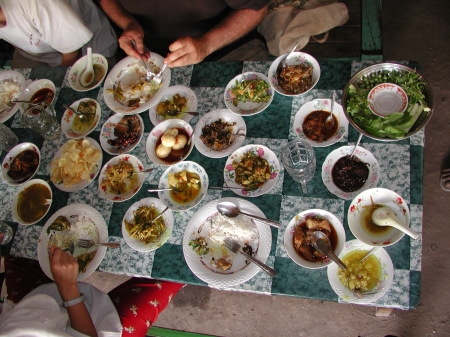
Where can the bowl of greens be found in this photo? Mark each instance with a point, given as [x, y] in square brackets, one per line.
[395, 126]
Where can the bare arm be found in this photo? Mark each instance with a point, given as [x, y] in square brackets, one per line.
[64, 269]
[189, 50]
[132, 30]
[70, 58]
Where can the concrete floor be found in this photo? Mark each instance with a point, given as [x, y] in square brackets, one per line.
[415, 30]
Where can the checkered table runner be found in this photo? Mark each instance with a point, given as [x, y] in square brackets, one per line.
[401, 170]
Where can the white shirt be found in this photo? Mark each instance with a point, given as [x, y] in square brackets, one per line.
[40, 314]
[42, 30]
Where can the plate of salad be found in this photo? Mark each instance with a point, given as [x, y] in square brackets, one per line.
[395, 126]
[248, 93]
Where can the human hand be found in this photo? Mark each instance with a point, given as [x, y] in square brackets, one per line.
[132, 42]
[64, 268]
[187, 50]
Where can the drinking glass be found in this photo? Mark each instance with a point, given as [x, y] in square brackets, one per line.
[299, 161]
[7, 138]
[41, 119]
[6, 233]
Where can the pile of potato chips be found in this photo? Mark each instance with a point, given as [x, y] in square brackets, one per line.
[77, 162]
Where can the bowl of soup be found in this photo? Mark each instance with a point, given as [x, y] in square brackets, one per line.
[100, 66]
[188, 183]
[32, 202]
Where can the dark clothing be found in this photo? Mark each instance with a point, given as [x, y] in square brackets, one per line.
[167, 20]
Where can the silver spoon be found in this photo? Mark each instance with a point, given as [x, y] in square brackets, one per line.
[248, 188]
[321, 242]
[356, 145]
[329, 122]
[370, 252]
[82, 116]
[282, 63]
[144, 171]
[384, 216]
[232, 210]
[160, 189]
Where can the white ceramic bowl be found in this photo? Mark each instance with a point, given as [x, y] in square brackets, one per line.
[69, 117]
[188, 166]
[315, 105]
[260, 151]
[298, 219]
[387, 98]
[363, 155]
[10, 157]
[383, 197]
[385, 282]
[157, 132]
[137, 166]
[107, 133]
[29, 183]
[191, 104]
[33, 88]
[78, 68]
[247, 108]
[295, 58]
[141, 246]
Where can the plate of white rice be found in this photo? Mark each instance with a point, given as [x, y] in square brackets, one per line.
[214, 228]
[12, 83]
[85, 223]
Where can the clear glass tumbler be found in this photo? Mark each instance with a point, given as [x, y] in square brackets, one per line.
[7, 138]
[6, 233]
[42, 120]
[299, 161]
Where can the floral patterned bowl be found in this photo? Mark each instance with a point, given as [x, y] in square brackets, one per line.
[362, 154]
[315, 105]
[100, 65]
[6, 165]
[358, 211]
[69, 118]
[385, 282]
[295, 58]
[260, 151]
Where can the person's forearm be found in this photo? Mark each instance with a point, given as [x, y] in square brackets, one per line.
[237, 24]
[70, 58]
[117, 14]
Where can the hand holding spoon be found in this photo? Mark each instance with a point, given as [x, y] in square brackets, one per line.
[232, 210]
[321, 242]
[384, 216]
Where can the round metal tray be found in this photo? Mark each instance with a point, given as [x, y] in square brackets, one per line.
[358, 77]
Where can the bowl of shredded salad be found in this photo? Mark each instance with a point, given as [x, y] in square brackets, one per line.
[248, 94]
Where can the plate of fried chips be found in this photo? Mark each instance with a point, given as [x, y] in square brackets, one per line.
[76, 164]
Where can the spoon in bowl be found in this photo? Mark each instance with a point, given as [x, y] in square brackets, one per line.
[384, 216]
[321, 242]
[329, 122]
[356, 145]
[87, 77]
[282, 63]
[83, 117]
[232, 210]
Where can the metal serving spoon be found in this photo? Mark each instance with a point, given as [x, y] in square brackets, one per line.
[321, 242]
[282, 63]
[232, 210]
[82, 116]
[248, 188]
[329, 122]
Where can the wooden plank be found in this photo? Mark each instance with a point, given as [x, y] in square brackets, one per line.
[372, 46]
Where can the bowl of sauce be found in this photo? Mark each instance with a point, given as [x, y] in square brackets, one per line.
[100, 65]
[21, 164]
[32, 202]
[38, 91]
[309, 123]
[78, 126]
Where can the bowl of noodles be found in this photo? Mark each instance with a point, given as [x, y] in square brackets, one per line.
[118, 180]
[142, 229]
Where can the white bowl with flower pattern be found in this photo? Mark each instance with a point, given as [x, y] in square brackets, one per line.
[260, 151]
[295, 58]
[247, 108]
[15, 202]
[321, 105]
[98, 62]
[68, 119]
[32, 89]
[384, 284]
[6, 165]
[188, 166]
[364, 156]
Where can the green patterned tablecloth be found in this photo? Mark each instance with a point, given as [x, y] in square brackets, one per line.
[401, 169]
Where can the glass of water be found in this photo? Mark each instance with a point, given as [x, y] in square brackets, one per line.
[299, 161]
[6, 233]
[42, 120]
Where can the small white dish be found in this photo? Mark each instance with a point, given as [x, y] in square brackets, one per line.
[32, 89]
[300, 218]
[363, 155]
[137, 167]
[247, 108]
[383, 197]
[6, 165]
[386, 98]
[69, 118]
[158, 131]
[385, 282]
[315, 105]
[191, 104]
[100, 65]
[260, 151]
[141, 246]
[15, 201]
[295, 58]
[130, 71]
[228, 117]
[107, 134]
[188, 166]
[14, 76]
